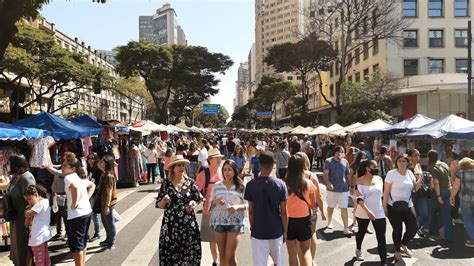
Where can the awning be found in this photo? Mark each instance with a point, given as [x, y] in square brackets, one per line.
[413, 122]
[438, 129]
[13, 132]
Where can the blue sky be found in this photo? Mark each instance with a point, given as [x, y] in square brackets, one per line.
[225, 26]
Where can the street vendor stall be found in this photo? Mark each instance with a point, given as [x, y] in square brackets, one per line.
[438, 129]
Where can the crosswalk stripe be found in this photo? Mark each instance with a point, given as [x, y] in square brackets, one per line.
[127, 217]
[141, 254]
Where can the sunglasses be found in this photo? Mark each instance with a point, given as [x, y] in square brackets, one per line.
[91, 158]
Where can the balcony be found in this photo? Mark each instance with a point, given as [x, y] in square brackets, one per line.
[443, 82]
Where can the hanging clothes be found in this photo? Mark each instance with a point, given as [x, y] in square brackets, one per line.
[135, 168]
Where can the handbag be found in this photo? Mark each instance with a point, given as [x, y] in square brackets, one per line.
[402, 205]
[424, 190]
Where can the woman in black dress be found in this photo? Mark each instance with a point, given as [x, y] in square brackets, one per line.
[180, 241]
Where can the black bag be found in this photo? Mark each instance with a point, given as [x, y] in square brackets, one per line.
[96, 207]
[6, 207]
[424, 190]
[207, 172]
[400, 206]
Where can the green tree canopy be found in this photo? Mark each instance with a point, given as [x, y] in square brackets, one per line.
[176, 76]
[308, 56]
[49, 69]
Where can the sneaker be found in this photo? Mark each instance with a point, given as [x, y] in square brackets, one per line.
[110, 248]
[406, 251]
[199, 211]
[347, 232]
[353, 227]
[469, 243]
[398, 256]
[420, 233]
[56, 236]
[94, 238]
[329, 226]
[369, 231]
[103, 243]
[458, 221]
[359, 256]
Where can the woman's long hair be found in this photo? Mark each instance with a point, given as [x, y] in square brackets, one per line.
[242, 151]
[18, 164]
[108, 178]
[78, 167]
[96, 161]
[295, 180]
[37, 189]
[239, 184]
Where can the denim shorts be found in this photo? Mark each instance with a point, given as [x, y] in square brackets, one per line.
[228, 228]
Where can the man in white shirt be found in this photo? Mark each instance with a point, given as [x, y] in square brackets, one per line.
[202, 157]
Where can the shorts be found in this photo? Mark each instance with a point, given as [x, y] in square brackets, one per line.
[206, 232]
[76, 230]
[338, 199]
[228, 228]
[299, 228]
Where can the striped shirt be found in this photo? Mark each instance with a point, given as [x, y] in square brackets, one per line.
[219, 214]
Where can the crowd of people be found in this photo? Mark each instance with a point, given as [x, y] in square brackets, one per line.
[280, 204]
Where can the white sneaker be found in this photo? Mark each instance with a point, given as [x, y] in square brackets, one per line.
[329, 226]
[347, 232]
[359, 256]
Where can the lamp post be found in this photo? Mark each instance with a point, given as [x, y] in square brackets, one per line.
[470, 98]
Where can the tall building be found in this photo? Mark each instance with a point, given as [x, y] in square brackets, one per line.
[162, 27]
[430, 65]
[241, 84]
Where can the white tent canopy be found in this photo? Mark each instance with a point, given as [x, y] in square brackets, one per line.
[298, 130]
[321, 130]
[333, 127]
[343, 131]
[374, 125]
[285, 130]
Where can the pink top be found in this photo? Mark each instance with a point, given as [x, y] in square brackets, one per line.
[166, 161]
[201, 182]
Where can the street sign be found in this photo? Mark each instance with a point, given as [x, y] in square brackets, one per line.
[264, 115]
[211, 109]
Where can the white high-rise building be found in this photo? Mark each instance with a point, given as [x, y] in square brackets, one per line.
[162, 27]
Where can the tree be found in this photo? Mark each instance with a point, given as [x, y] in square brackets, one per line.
[50, 71]
[269, 95]
[352, 27]
[305, 57]
[11, 11]
[185, 72]
[211, 121]
[367, 100]
[135, 91]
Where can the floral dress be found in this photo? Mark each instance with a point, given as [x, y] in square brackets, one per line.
[180, 240]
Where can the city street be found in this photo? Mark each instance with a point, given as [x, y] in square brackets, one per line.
[139, 230]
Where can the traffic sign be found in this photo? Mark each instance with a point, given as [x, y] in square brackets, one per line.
[264, 114]
[211, 109]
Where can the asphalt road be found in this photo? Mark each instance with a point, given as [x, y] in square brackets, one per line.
[138, 234]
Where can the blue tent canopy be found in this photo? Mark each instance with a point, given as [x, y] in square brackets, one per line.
[413, 122]
[464, 133]
[85, 120]
[439, 128]
[12, 132]
[58, 127]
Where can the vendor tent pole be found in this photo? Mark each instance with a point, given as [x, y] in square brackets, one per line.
[470, 99]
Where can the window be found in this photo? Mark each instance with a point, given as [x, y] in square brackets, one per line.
[461, 65]
[410, 67]
[410, 38]
[366, 74]
[298, 77]
[337, 68]
[461, 38]
[358, 77]
[409, 8]
[289, 78]
[357, 56]
[461, 8]
[349, 59]
[436, 66]
[349, 79]
[435, 8]
[331, 90]
[366, 51]
[331, 70]
[375, 47]
[375, 68]
[436, 38]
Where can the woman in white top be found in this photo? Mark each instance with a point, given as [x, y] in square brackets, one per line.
[78, 192]
[398, 205]
[151, 156]
[228, 212]
[369, 200]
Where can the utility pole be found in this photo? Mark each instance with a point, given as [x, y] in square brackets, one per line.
[470, 98]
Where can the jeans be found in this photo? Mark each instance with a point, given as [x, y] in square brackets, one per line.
[60, 215]
[443, 213]
[396, 220]
[467, 210]
[380, 226]
[109, 226]
[161, 168]
[422, 205]
[151, 171]
[94, 217]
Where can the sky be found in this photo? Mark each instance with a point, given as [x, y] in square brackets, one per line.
[223, 26]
